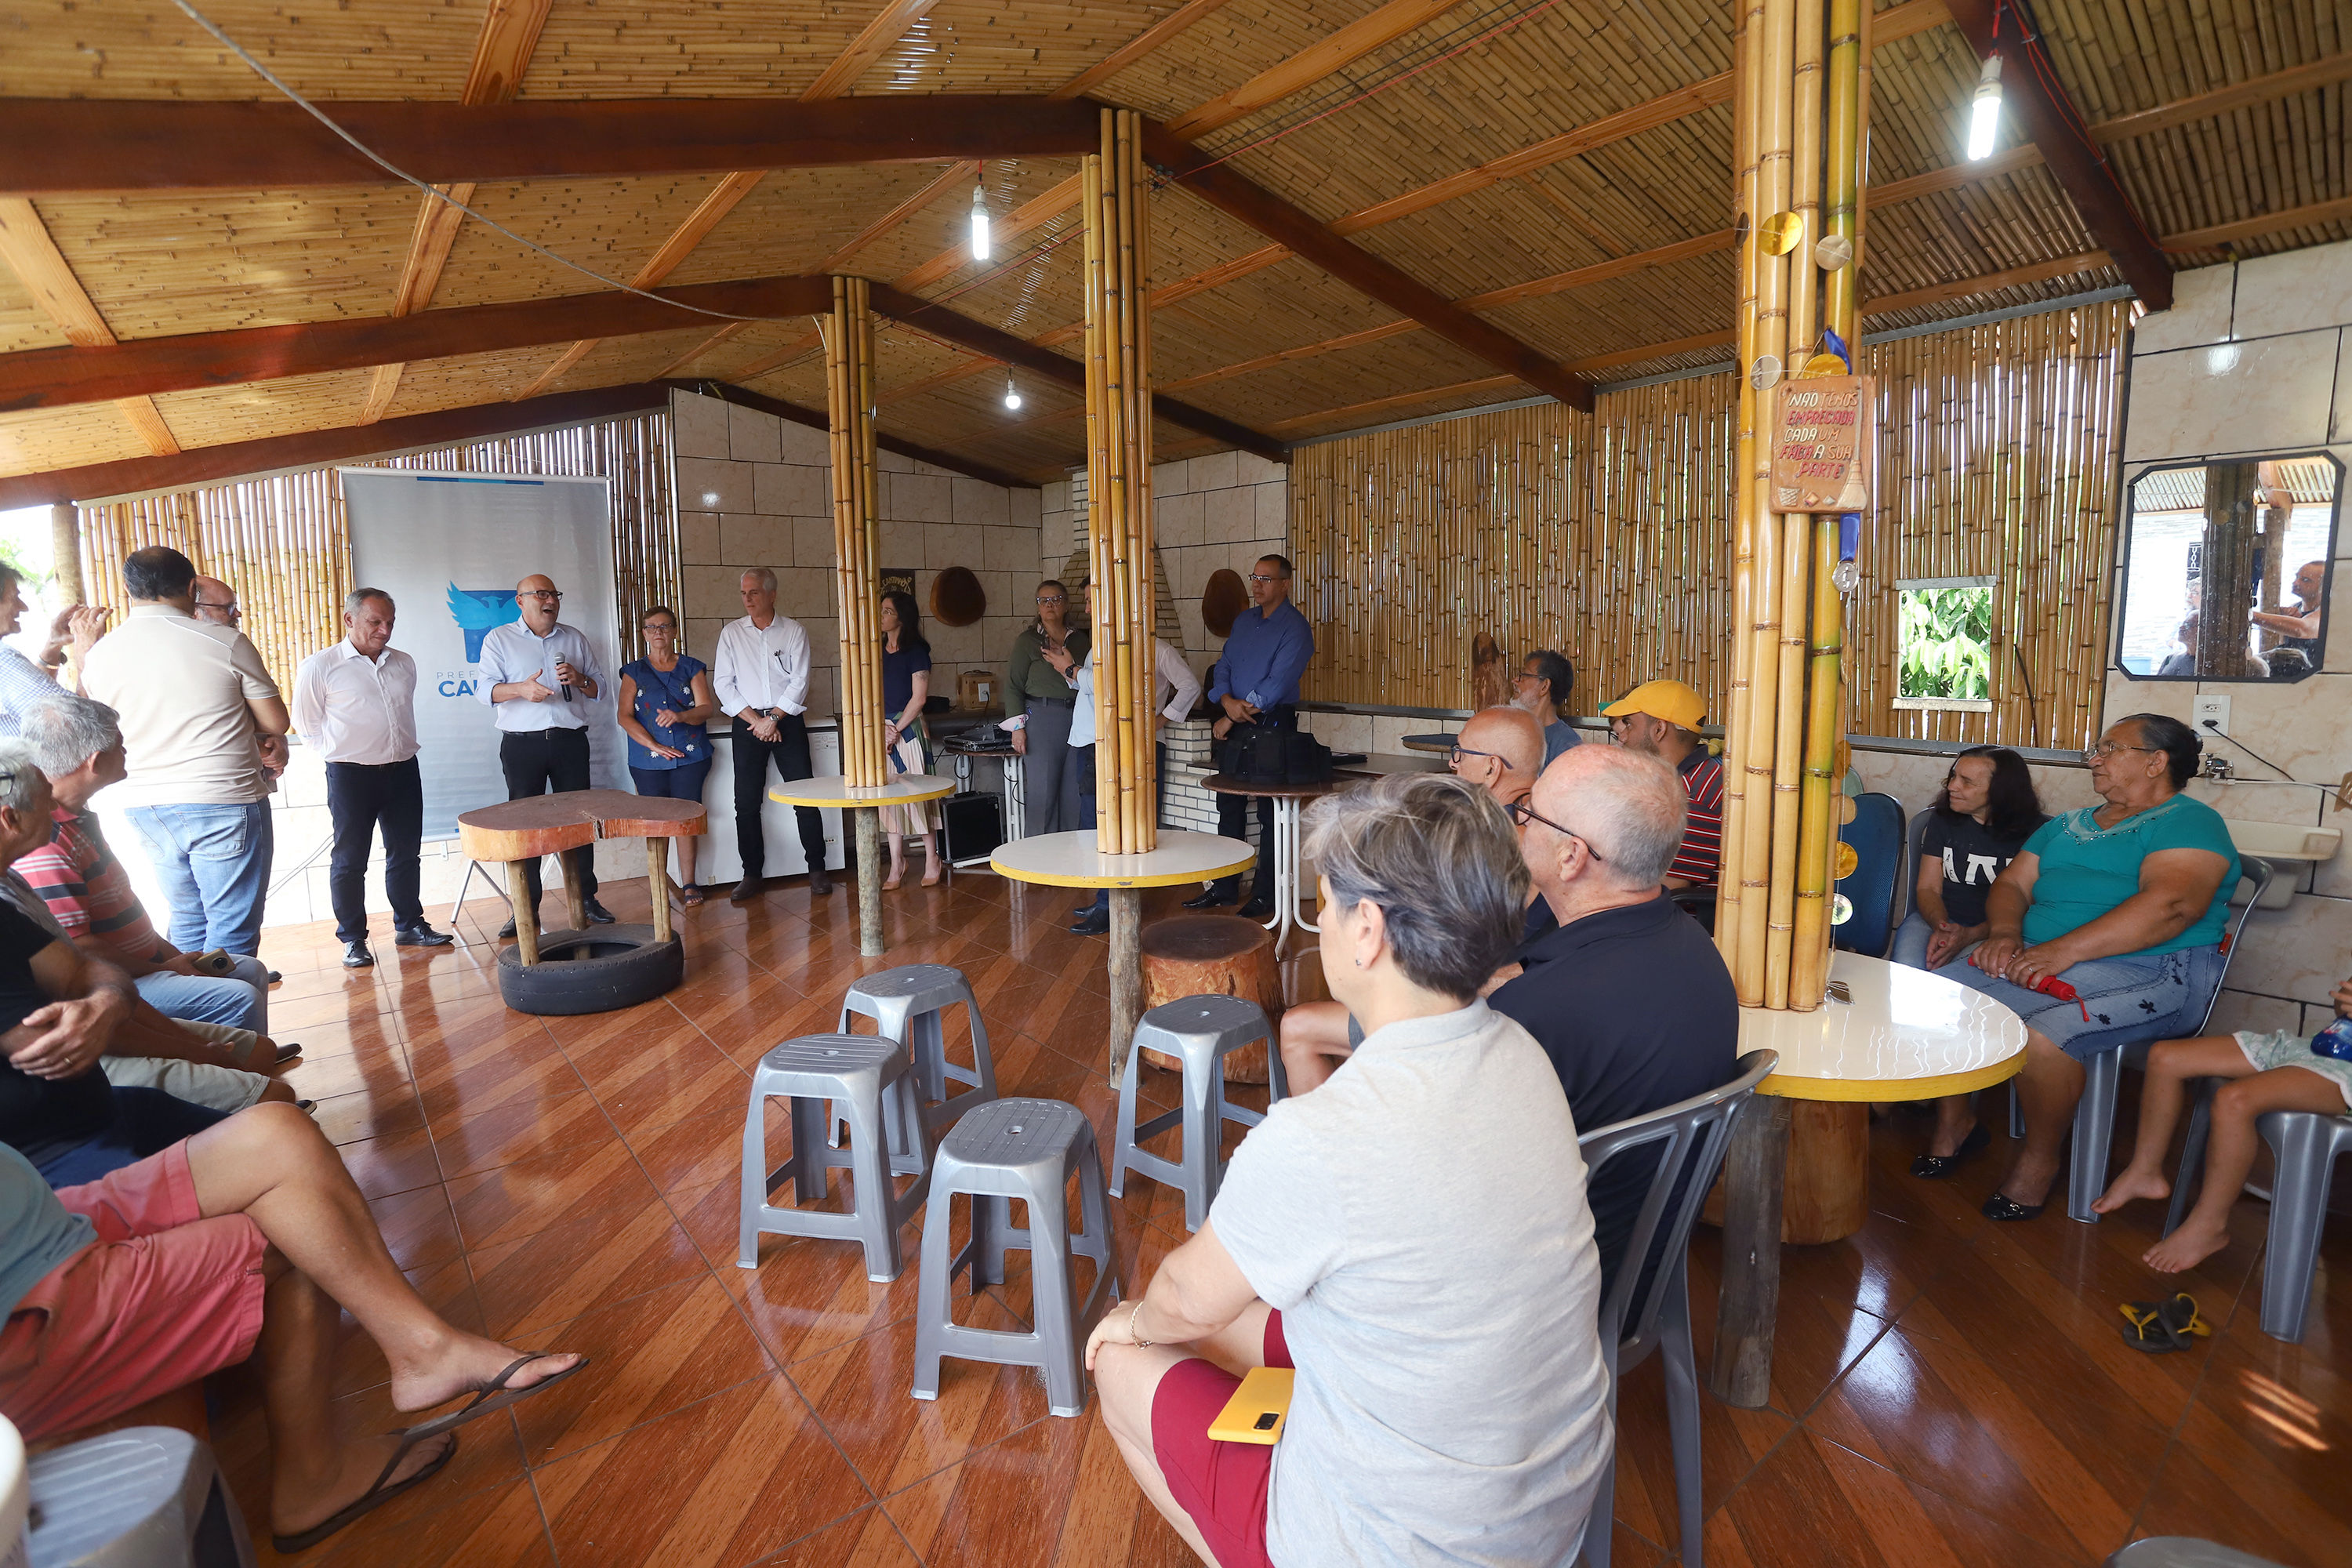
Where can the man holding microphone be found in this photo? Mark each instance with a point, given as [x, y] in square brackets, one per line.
[355, 704]
[538, 676]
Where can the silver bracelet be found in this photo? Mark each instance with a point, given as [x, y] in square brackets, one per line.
[1132, 1332]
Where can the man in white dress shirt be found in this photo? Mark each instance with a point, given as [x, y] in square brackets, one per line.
[1174, 689]
[538, 676]
[355, 705]
[762, 678]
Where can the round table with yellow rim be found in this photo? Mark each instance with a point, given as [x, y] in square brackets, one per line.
[867, 801]
[1885, 1032]
[1071, 860]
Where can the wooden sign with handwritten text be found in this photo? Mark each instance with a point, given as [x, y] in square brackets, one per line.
[1820, 429]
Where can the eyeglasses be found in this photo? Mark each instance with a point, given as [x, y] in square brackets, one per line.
[1052, 598]
[552, 594]
[2106, 749]
[1521, 813]
[1459, 752]
[1524, 675]
[229, 607]
[1260, 578]
[661, 627]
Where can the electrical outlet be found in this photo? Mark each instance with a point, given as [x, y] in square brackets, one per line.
[2214, 712]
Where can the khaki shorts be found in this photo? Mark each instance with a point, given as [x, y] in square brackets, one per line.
[215, 1088]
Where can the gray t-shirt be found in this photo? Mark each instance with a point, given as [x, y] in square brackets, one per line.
[1420, 1222]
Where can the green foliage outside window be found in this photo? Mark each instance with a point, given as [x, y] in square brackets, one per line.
[1946, 643]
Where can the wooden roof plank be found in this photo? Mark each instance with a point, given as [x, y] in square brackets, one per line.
[1321, 59]
[1135, 49]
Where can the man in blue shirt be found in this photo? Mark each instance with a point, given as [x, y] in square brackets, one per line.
[1256, 681]
[538, 676]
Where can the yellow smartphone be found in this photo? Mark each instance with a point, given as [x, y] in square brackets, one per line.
[1257, 1409]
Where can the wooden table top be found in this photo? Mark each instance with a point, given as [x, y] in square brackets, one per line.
[1071, 860]
[905, 790]
[550, 824]
[1907, 1034]
[1225, 783]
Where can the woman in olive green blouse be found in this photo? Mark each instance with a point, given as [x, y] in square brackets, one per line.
[1037, 704]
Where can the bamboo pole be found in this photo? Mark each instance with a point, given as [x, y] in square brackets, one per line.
[1731, 902]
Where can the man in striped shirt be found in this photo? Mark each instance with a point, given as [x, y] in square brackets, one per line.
[1661, 719]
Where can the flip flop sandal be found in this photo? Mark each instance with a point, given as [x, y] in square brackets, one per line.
[287, 1053]
[492, 1396]
[2145, 1329]
[375, 1497]
[2179, 1317]
[692, 895]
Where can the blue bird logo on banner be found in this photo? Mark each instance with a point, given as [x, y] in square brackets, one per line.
[476, 610]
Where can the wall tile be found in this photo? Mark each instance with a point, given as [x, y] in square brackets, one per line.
[977, 501]
[890, 462]
[2200, 313]
[698, 539]
[1252, 470]
[812, 541]
[2297, 951]
[803, 591]
[1012, 549]
[917, 498]
[2294, 290]
[956, 544]
[1274, 513]
[802, 444]
[2233, 397]
[709, 593]
[2254, 801]
[2288, 722]
[1055, 497]
[702, 633]
[1172, 479]
[2234, 1010]
[1025, 506]
[1178, 520]
[752, 436]
[1216, 471]
[711, 484]
[699, 426]
[902, 545]
[1229, 514]
[792, 489]
[755, 540]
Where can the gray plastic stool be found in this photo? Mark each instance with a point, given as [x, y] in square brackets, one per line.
[905, 1005]
[1198, 1031]
[1024, 1148]
[2183, 1552]
[855, 1072]
[145, 1496]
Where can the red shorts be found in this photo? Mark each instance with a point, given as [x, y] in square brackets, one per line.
[1222, 1484]
[165, 1297]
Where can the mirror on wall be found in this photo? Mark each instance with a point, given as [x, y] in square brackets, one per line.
[2228, 566]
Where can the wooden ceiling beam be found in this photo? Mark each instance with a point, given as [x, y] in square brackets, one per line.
[31, 251]
[1135, 49]
[982, 339]
[50, 146]
[1325, 56]
[54, 378]
[2039, 101]
[1223, 188]
[2224, 234]
[726, 392]
[873, 41]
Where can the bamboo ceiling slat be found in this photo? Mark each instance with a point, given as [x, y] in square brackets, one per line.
[126, 49]
[66, 438]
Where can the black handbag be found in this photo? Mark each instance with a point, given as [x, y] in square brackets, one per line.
[1263, 754]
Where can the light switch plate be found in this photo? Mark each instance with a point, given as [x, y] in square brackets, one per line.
[2214, 710]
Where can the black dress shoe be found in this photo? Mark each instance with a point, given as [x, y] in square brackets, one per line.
[597, 913]
[422, 935]
[507, 931]
[1210, 899]
[273, 977]
[1936, 1167]
[1256, 909]
[748, 890]
[1096, 923]
[2008, 1210]
[357, 956]
[820, 881]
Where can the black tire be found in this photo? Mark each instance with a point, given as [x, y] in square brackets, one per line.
[624, 965]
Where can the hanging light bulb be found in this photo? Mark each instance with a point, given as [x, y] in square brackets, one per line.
[1984, 111]
[1012, 392]
[980, 223]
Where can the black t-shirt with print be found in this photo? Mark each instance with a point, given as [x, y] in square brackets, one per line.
[39, 1116]
[1972, 858]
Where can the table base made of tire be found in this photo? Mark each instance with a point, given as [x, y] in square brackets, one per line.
[865, 801]
[1071, 860]
[1902, 1034]
[582, 970]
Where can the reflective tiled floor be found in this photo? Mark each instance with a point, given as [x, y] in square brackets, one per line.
[1945, 1391]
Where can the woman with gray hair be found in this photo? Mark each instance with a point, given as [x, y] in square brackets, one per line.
[1412, 1238]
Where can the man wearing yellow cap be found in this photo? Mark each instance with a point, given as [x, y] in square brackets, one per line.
[1660, 717]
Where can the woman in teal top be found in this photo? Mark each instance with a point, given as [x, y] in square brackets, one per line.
[2126, 903]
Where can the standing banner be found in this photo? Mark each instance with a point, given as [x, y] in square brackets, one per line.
[449, 549]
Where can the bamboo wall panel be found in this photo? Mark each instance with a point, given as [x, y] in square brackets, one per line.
[284, 544]
[1608, 536]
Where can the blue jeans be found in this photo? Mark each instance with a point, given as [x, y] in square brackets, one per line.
[2126, 1001]
[214, 864]
[1910, 948]
[146, 1121]
[239, 999]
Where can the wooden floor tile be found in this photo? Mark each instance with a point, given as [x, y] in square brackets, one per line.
[600, 1181]
[417, 1226]
[468, 1146]
[372, 1069]
[1002, 1508]
[393, 1162]
[730, 1482]
[865, 1540]
[650, 1356]
[499, 1529]
[1732, 1442]
[808, 1297]
[554, 1275]
[2245, 1500]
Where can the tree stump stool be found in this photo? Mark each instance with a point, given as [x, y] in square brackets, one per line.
[1212, 955]
[1826, 1196]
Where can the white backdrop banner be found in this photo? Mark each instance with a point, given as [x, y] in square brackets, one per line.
[449, 549]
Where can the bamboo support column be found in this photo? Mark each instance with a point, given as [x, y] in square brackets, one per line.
[1116, 184]
[1731, 895]
[849, 334]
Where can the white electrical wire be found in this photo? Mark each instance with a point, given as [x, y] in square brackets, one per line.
[397, 172]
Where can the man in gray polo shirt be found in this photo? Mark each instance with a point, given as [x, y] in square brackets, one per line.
[204, 727]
